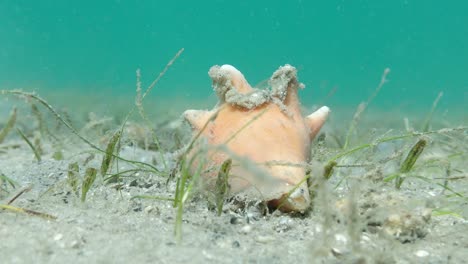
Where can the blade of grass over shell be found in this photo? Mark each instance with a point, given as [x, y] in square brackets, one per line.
[9, 125]
[182, 158]
[33, 148]
[198, 135]
[222, 185]
[90, 176]
[272, 163]
[253, 119]
[182, 161]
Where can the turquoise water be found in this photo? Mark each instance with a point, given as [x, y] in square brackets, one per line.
[87, 46]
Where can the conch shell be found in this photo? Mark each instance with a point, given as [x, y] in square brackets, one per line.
[263, 132]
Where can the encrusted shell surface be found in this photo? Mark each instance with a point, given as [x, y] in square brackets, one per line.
[263, 132]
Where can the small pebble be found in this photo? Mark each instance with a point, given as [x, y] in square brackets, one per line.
[264, 239]
[207, 255]
[235, 244]
[58, 237]
[336, 252]
[341, 238]
[284, 220]
[284, 224]
[365, 238]
[421, 253]
[137, 208]
[149, 209]
[246, 229]
[236, 220]
[75, 244]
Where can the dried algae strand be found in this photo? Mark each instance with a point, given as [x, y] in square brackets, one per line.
[161, 74]
[140, 97]
[26, 211]
[427, 122]
[393, 138]
[141, 110]
[362, 107]
[9, 125]
[25, 190]
[15, 209]
[152, 197]
[67, 123]
[412, 156]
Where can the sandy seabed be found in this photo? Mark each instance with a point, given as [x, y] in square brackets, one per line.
[357, 217]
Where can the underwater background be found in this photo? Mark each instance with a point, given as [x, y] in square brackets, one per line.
[340, 48]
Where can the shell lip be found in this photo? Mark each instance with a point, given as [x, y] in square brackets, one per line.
[297, 201]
